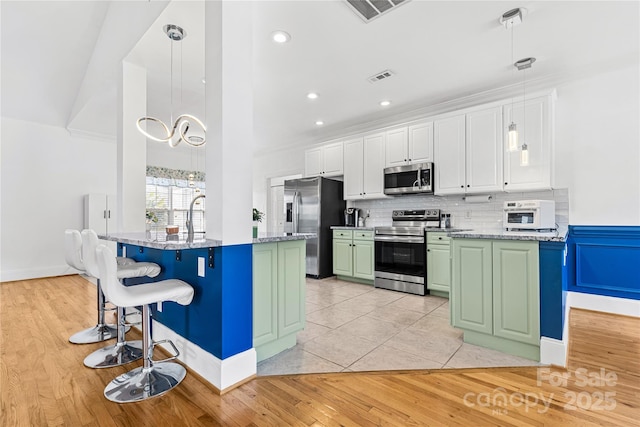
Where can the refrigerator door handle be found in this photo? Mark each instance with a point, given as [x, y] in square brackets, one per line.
[295, 212]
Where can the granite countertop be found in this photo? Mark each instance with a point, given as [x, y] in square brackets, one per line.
[559, 235]
[161, 240]
[344, 227]
[281, 237]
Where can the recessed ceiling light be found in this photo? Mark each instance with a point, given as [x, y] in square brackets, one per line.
[312, 95]
[319, 122]
[280, 36]
[385, 103]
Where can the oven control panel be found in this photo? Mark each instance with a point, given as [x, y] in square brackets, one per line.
[416, 215]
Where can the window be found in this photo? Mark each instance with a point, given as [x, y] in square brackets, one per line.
[169, 199]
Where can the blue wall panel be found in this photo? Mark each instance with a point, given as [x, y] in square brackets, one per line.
[219, 319]
[604, 260]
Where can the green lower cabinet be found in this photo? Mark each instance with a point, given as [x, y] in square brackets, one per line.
[279, 274]
[438, 264]
[495, 294]
[354, 255]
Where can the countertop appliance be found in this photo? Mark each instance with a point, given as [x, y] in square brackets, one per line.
[313, 205]
[351, 217]
[400, 250]
[536, 215]
[409, 179]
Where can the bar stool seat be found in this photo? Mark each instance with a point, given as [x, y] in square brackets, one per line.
[122, 351]
[73, 256]
[154, 378]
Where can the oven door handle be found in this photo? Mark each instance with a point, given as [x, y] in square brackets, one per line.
[399, 239]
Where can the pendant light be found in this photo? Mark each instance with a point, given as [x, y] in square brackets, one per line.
[523, 65]
[510, 19]
[182, 124]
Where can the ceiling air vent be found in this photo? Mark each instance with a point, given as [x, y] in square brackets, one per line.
[380, 76]
[371, 9]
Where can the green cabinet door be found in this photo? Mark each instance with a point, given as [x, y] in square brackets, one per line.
[265, 293]
[516, 301]
[471, 288]
[438, 268]
[363, 259]
[342, 257]
[291, 286]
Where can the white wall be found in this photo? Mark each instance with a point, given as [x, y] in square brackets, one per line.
[45, 173]
[598, 147]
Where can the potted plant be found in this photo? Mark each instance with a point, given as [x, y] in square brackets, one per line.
[257, 217]
[151, 218]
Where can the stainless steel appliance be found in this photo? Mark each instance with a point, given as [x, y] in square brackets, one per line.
[536, 215]
[400, 251]
[313, 205]
[409, 179]
[351, 217]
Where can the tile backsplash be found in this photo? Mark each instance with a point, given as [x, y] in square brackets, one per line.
[478, 216]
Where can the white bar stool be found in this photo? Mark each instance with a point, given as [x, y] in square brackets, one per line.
[73, 256]
[153, 378]
[122, 351]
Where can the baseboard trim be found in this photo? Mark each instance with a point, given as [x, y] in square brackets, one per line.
[36, 273]
[553, 352]
[224, 375]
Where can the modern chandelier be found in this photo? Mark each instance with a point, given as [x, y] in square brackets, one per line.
[510, 19]
[179, 130]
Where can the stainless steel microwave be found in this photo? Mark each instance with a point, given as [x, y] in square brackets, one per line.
[409, 179]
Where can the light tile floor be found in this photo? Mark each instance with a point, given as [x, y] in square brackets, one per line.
[354, 327]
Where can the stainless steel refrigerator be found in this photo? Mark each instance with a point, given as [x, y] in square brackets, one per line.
[313, 205]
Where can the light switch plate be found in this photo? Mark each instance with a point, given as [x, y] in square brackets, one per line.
[201, 266]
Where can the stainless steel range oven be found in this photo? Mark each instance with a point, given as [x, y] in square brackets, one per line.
[400, 251]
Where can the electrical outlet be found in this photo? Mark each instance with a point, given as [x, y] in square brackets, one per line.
[201, 266]
[467, 214]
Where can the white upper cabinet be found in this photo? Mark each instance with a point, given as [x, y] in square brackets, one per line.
[373, 172]
[412, 144]
[448, 155]
[468, 153]
[364, 165]
[353, 172]
[536, 130]
[324, 161]
[484, 150]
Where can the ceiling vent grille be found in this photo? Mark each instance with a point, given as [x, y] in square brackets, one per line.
[371, 9]
[381, 76]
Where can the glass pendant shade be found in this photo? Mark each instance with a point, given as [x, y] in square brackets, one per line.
[524, 155]
[512, 143]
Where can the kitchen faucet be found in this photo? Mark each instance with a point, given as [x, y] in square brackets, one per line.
[190, 219]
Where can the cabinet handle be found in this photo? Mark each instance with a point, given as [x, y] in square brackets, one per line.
[409, 159]
[428, 250]
[439, 238]
[468, 185]
[405, 160]
[462, 186]
[506, 183]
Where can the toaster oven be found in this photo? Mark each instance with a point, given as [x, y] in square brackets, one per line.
[538, 215]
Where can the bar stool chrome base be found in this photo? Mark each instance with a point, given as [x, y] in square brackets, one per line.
[145, 383]
[118, 354]
[96, 334]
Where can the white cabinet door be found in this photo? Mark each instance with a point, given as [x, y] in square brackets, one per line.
[484, 150]
[396, 147]
[449, 155]
[313, 162]
[353, 171]
[333, 159]
[535, 129]
[373, 170]
[421, 142]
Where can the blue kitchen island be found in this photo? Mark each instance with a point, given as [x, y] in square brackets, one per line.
[215, 332]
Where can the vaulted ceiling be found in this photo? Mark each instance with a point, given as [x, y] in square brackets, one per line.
[60, 59]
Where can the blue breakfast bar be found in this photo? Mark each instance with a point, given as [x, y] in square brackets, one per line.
[215, 333]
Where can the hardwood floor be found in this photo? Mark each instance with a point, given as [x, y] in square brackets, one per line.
[43, 380]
